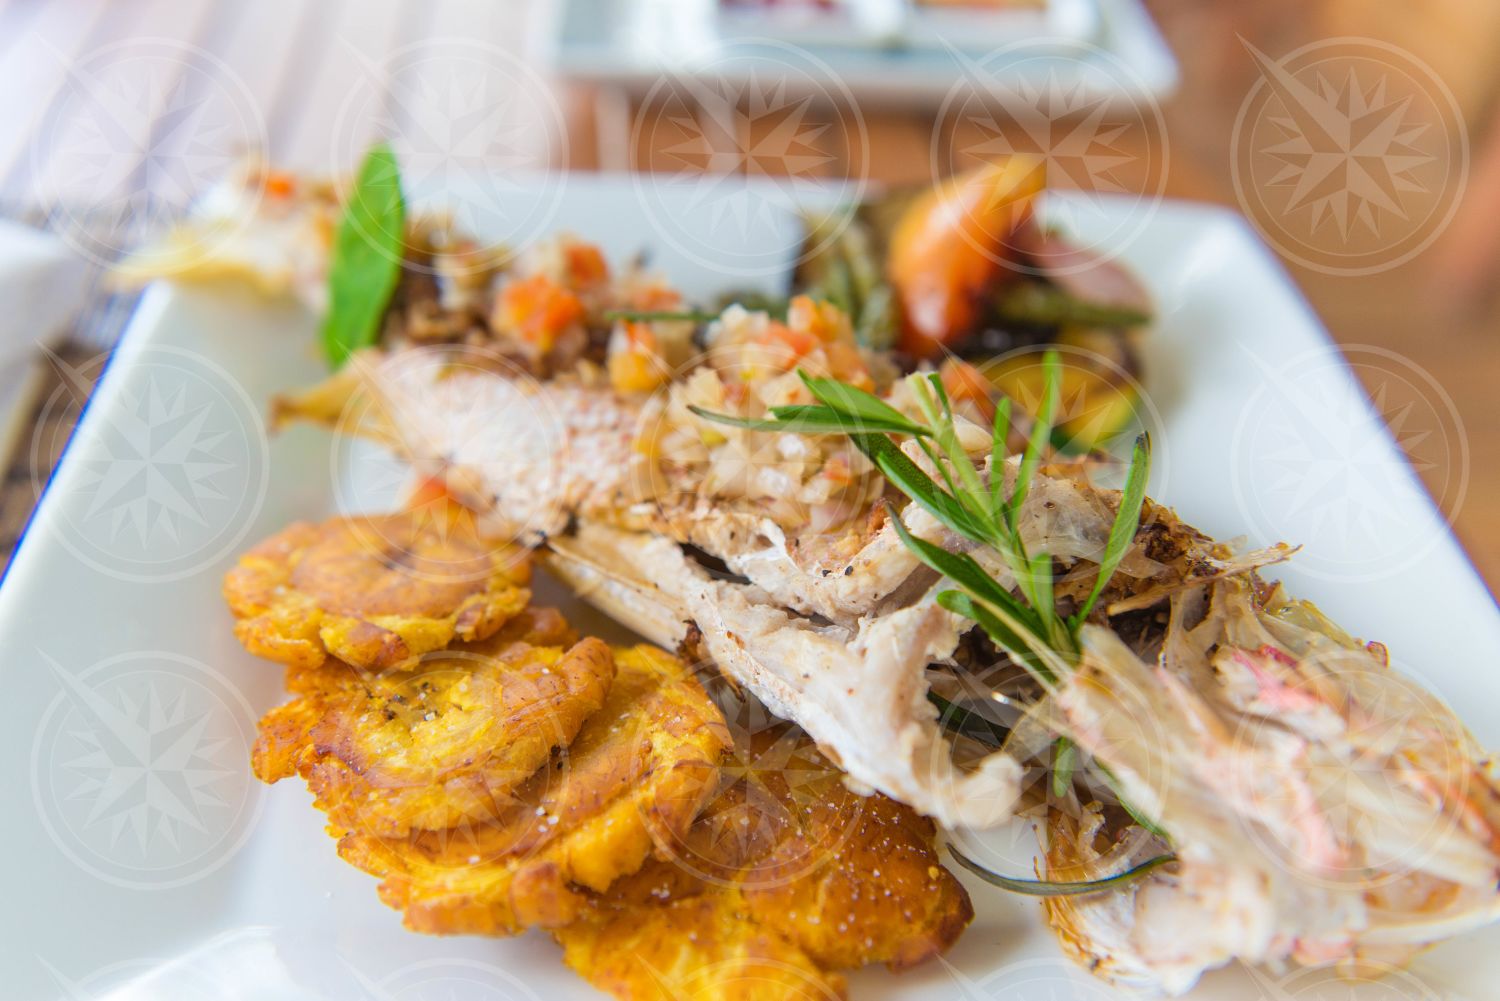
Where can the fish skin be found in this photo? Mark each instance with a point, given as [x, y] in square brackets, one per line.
[1233, 740]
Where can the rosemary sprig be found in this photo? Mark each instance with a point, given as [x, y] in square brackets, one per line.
[966, 723]
[1054, 888]
[1024, 620]
[813, 420]
[1029, 627]
[1141, 820]
[1064, 760]
[1122, 531]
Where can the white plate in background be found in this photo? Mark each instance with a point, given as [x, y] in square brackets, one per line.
[1110, 48]
[128, 699]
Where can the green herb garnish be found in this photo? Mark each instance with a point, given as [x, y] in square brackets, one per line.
[1033, 631]
[810, 420]
[1044, 305]
[1122, 531]
[756, 301]
[365, 262]
[1028, 627]
[1053, 888]
[1023, 619]
[964, 722]
[1140, 818]
[662, 315]
[1064, 760]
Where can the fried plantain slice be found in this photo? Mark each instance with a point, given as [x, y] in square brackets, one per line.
[532, 627]
[744, 909]
[437, 745]
[694, 949]
[536, 626]
[633, 779]
[374, 591]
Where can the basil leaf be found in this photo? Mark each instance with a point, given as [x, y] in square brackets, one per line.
[1050, 888]
[365, 262]
[942, 468]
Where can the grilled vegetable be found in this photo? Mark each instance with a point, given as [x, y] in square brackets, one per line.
[1099, 399]
[950, 251]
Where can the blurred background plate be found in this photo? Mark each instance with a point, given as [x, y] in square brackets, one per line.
[889, 52]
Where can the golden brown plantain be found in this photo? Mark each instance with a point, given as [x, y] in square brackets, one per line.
[441, 744]
[374, 591]
[743, 913]
[633, 779]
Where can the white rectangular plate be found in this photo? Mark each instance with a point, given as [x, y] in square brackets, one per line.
[143, 859]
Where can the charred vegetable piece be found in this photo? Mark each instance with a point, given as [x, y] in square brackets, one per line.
[1042, 304]
[1099, 400]
[844, 269]
[950, 251]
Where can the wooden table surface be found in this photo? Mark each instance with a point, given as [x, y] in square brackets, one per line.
[312, 81]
